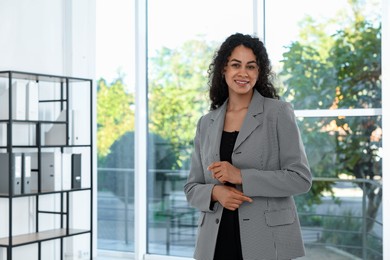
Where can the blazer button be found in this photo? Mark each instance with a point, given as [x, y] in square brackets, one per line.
[217, 221]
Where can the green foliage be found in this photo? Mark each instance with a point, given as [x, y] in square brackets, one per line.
[339, 70]
[115, 115]
[177, 98]
[356, 57]
[309, 79]
[178, 94]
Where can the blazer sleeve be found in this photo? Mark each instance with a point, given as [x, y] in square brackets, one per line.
[198, 192]
[294, 176]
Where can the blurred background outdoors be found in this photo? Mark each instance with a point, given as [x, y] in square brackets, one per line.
[327, 58]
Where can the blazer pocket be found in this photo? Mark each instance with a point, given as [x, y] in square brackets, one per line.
[279, 217]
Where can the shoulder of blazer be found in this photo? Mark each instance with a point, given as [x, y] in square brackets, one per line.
[273, 106]
[213, 114]
[207, 119]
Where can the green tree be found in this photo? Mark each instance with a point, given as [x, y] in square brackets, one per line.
[115, 115]
[178, 94]
[341, 70]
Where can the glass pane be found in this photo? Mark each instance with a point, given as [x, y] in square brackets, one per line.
[115, 124]
[182, 41]
[347, 221]
[328, 57]
[343, 209]
[343, 146]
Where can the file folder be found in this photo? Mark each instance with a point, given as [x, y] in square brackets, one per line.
[15, 173]
[4, 96]
[32, 100]
[18, 101]
[3, 134]
[50, 170]
[26, 177]
[76, 171]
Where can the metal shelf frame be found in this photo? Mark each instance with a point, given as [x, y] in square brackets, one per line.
[64, 230]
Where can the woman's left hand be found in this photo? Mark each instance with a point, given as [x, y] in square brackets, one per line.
[225, 172]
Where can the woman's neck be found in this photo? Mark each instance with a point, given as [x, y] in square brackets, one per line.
[238, 102]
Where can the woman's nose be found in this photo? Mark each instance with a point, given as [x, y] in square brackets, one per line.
[243, 72]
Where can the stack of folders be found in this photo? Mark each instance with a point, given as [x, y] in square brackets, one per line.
[59, 171]
[20, 173]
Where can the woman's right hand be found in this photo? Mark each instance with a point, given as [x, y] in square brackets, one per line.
[229, 197]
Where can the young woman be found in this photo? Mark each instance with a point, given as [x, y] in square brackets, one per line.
[248, 161]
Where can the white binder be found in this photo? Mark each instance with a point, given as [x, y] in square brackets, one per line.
[23, 134]
[3, 134]
[4, 114]
[66, 171]
[50, 170]
[26, 187]
[76, 126]
[18, 101]
[32, 100]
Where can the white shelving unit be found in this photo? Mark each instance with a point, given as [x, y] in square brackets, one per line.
[45, 165]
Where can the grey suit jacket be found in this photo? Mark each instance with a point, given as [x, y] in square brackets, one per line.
[274, 167]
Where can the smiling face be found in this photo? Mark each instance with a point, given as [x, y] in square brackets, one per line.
[241, 71]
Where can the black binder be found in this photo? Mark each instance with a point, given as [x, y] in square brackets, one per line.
[76, 171]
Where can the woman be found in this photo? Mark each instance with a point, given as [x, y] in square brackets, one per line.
[248, 161]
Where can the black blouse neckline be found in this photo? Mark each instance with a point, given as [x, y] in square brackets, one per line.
[234, 132]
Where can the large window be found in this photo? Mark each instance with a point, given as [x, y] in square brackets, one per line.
[328, 65]
[328, 62]
[115, 125]
[183, 36]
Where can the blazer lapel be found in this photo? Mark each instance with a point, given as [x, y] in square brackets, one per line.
[252, 119]
[215, 130]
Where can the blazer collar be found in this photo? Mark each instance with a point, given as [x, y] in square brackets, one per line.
[252, 119]
[215, 130]
[251, 122]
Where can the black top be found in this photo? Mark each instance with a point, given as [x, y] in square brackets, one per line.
[228, 244]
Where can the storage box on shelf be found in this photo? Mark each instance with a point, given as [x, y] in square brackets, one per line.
[45, 163]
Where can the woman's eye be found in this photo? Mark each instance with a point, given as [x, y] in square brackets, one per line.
[236, 65]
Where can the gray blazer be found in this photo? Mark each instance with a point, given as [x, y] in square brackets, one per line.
[274, 167]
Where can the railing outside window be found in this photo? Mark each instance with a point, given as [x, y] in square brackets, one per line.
[340, 223]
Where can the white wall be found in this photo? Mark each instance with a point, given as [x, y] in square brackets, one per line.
[49, 37]
[31, 36]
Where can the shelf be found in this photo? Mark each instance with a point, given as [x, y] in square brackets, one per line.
[50, 146]
[46, 145]
[3, 195]
[40, 77]
[53, 100]
[41, 236]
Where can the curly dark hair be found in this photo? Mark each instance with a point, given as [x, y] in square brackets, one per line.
[218, 91]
